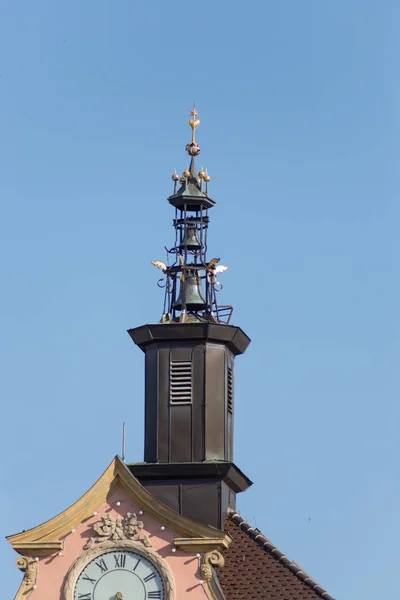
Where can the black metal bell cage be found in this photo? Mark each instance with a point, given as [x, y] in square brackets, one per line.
[191, 285]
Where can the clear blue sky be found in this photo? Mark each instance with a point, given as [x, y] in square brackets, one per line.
[300, 128]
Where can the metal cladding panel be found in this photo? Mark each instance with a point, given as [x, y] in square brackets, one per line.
[233, 337]
[151, 405]
[215, 430]
[207, 470]
[163, 405]
[229, 404]
[202, 491]
[228, 500]
[229, 437]
[181, 353]
[181, 414]
[181, 433]
[202, 502]
[196, 202]
[189, 393]
[168, 494]
[232, 499]
[198, 403]
[198, 500]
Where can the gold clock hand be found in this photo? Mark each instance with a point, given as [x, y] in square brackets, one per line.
[118, 596]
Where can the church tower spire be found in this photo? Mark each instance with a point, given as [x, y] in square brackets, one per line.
[190, 282]
[189, 366]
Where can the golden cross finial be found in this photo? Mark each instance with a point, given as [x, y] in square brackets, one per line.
[194, 122]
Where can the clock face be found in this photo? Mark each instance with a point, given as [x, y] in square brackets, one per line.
[119, 575]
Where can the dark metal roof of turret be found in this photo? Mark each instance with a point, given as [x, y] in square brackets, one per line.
[190, 192]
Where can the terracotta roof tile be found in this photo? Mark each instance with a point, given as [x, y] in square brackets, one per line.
[256, 569]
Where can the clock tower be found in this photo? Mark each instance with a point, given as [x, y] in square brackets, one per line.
[168, 527]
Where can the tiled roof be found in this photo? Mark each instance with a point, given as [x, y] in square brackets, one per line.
[255, 568]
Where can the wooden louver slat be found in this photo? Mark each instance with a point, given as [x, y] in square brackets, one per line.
[230, 390]
[180, 381]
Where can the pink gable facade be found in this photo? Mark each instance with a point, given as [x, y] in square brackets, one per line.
[185, 567]
[117, 514]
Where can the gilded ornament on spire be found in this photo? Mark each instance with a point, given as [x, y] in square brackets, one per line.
[193, 149]
[193, 122]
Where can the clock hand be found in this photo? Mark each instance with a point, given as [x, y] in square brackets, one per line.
[118, 596]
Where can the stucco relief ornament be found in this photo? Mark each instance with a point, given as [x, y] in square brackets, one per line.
[29, 566]
[210, 560]
[110, 528]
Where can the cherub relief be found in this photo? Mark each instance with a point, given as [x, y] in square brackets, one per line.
[110, 528]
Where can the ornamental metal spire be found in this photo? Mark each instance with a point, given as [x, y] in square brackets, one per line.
[191, 270]
[193, 149]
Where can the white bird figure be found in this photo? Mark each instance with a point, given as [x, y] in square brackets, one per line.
[216, 270]
[219, 269]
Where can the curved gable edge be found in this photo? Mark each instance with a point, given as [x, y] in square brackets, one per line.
[46, 539]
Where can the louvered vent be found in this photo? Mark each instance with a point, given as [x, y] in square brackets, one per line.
[180, 384]
[230, 390]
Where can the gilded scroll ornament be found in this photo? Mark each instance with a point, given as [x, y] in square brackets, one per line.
[210, 560]
[29, 566]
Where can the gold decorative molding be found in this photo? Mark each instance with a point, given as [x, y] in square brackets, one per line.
[117, 476]
[37, 548]
[210, 560]
[214, 588]
[89, 555]
[203, 544]
[208, 574]
[29, 566]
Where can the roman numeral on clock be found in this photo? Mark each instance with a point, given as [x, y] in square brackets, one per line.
[120, 560]
[84, 596]
[102, 565]
[137, 564]
[149, 577]
[154, 594]
[87, 578]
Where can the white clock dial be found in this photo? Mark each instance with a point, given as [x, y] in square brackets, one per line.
[119, 575]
